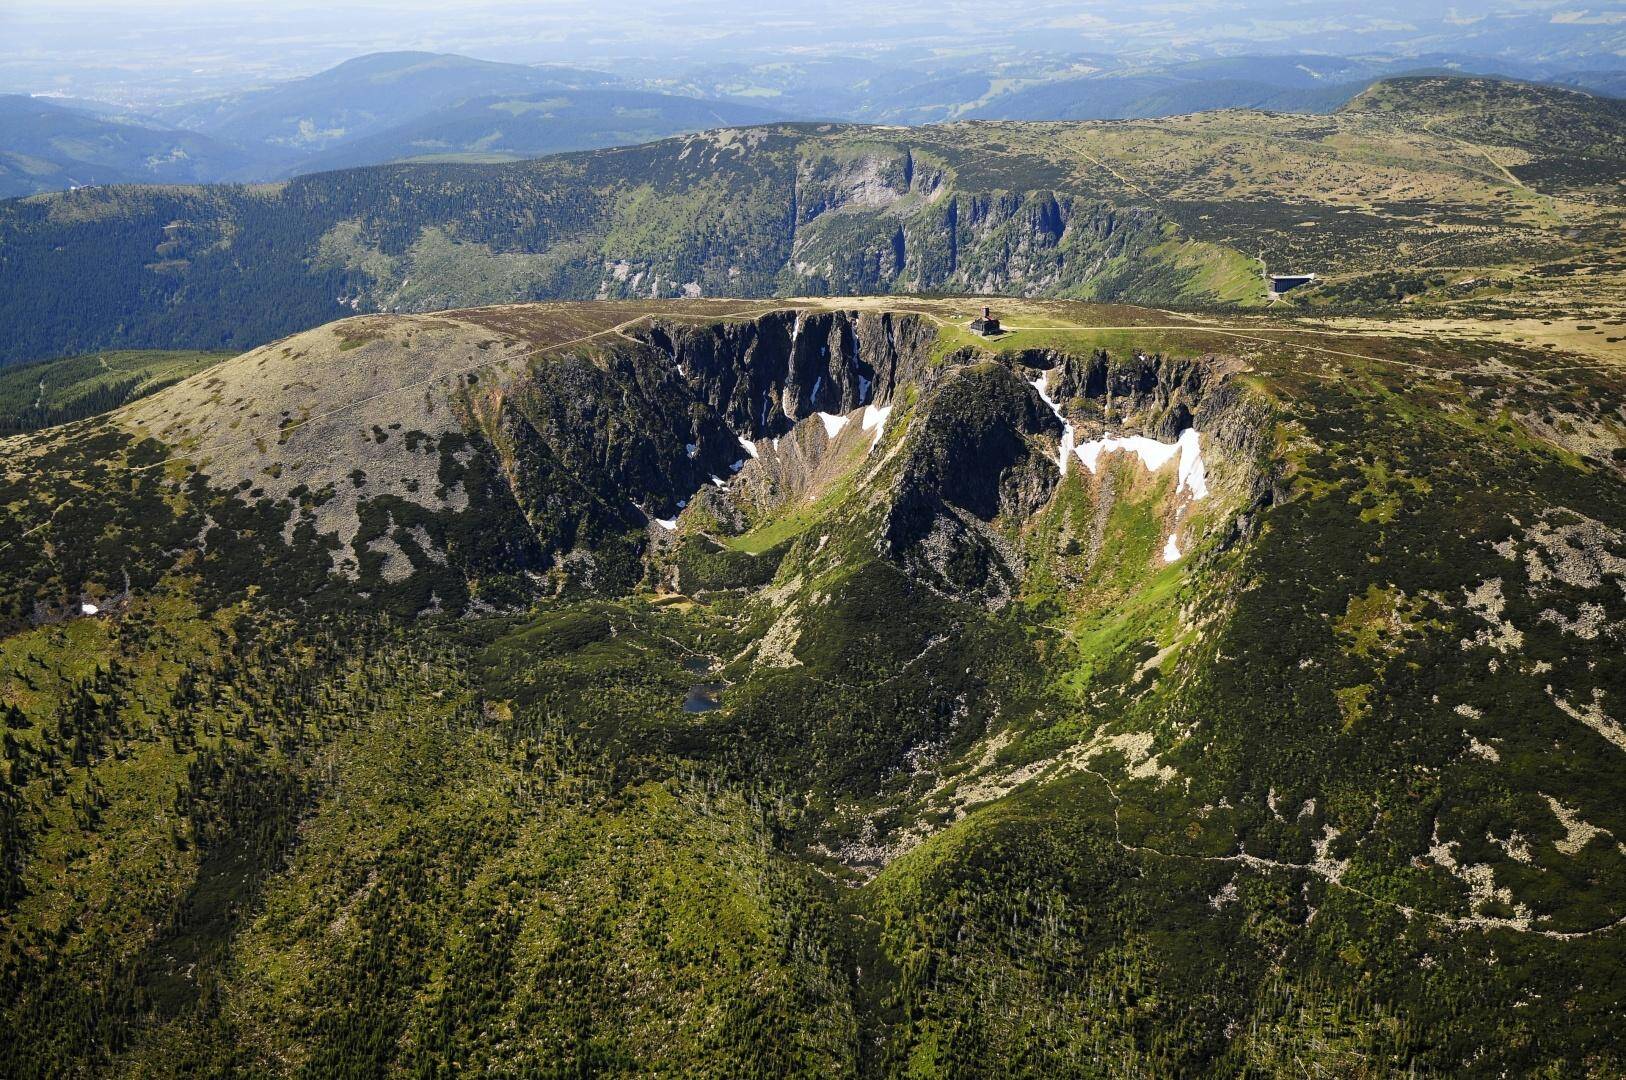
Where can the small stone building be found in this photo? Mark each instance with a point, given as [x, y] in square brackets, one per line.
[987, 326]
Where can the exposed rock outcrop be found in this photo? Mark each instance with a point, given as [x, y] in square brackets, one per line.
[488, 462]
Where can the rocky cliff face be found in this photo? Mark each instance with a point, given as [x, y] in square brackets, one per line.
[1137, 393]
[753, 212]
[973, 459]
[491, 473]
[765, 374]
[975, 451]
[886, 222]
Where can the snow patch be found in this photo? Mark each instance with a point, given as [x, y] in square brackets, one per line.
[832, 423]
[1154, 454]
[1171, 549]
[691, 449]
[87, 608]
[874, 419]
[750, 447]
[669, 524]
[1066, 428]
[1193, 473]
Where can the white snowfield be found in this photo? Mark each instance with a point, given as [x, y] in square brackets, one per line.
[1066, 428]
[832, 423]
[1193, 475]
[875, 418]
[1153, 453]
[750, 447]
[669, 524]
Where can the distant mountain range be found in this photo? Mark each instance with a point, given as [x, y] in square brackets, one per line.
[402, 106]
[507, 128]
[45, 146]
[374, 109]
[359, 98]
[1086, 87]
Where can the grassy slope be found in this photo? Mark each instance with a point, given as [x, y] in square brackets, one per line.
[54, 392]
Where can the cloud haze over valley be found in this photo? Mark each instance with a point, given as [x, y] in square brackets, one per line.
[141, 51]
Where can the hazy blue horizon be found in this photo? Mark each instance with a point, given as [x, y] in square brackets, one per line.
[144, 52]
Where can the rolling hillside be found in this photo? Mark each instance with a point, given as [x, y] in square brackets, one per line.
[45, 146]
[55, 392]
[371, 110]
[517, 127]
[283, 123]
[1280, 84]
[1024, 85]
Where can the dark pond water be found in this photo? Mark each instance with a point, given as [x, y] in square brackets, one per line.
[702, 697]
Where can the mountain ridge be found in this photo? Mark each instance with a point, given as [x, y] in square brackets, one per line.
[1036, 662]
[49, 145]
[500, 128]
[1175, 210]
[365, 111]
